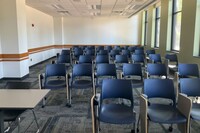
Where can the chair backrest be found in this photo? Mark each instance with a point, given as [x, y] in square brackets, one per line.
[55, 70]
[114, 52]
[63, 58]
[139, 51]
[106, 70]
[157, 69]
[82, 70]
[172, 58]
[186, 70]
[108, 48]
[132, 70]
[102, 59]
[90, 52]
[150, 51]
[138, 58]
[103, 52]
[132, 49]
[160, 88]
[116, 88]
[126, 52]
[156, 58]
[121, 59]
[190, 86]
[85, 59]
[65, 52]
[100, 48]
[78, 52]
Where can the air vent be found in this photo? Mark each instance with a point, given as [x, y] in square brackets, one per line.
[64, 12]
[57, 6]
[76, 0]
[94, 7]
[117, 12]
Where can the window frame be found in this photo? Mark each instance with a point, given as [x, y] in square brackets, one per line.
[157, 19]
[145, 27]
[174, 13]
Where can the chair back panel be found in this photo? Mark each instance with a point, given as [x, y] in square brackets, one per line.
[160, 88]
[157, 69]
[116, 88]
[138, 58]
[102, 59]
[106, 70]
[132, 69]
[65, 52]
[121, 59]
[63, 58]
[82, 70]
[172, 57]
[188, 70]
[85, 59]
[155, 57]
[190, 86]
[55, 70]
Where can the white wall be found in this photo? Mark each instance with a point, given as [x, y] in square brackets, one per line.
[42, 34]
[105, 30]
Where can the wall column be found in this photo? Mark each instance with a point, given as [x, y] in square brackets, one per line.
[14, 52]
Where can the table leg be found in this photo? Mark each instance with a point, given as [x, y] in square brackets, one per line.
[1, 121]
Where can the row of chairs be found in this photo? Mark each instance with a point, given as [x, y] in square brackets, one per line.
[179, 112]
[109, 71]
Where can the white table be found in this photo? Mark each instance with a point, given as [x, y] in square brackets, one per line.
[19, 99]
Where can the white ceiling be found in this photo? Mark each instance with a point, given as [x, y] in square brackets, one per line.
[90, 8]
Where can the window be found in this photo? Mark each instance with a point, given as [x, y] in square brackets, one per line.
[176, 25]
[157, 27]
[145, 28]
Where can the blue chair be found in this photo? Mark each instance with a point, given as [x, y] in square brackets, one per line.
[90, 52]
[164, 113]
[148, 52]
[108, 48]
[99, 48]
[191, 88]
[132, 49]
[133, 72]
[138, 58]
[65, 52]
[114, 112]
[101, 59]
[104, 71]
[113, 53]
[139, 51]
[120, 60]
[64, 59]
[155, 58]
[186, 71]
[85, 59]
[126, 52]
[55, 77]
[82, 78]
[171, 61]
[77, 52]
[156, 70]
[102, 52]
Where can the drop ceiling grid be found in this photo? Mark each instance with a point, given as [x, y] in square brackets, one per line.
[89, 8]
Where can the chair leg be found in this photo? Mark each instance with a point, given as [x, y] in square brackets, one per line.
[36, 120]
[138, 122]
[18, 124]
[43, 102]
[69, 100]
[170, 128]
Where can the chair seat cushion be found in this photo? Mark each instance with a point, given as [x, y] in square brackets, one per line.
[117, 114]
[11, 115]
[82, 84]
[167, 114]
[55, 84]
[195, 111]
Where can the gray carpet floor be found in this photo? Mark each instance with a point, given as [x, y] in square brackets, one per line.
[55, 117]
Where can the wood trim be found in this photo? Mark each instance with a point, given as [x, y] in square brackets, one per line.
[14, 57]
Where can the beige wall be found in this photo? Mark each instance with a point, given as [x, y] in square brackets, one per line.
[42, 34]
[185, 55]
[102, 30]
